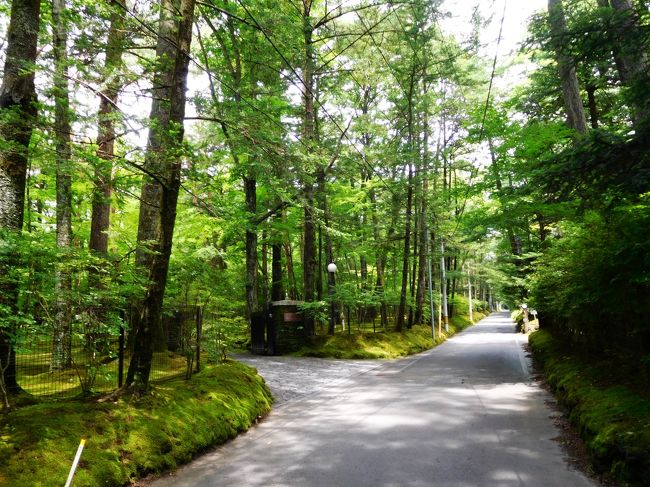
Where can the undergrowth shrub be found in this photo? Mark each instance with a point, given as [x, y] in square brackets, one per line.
[592, 287]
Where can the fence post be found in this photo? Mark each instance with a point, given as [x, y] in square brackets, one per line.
[120, 354]
[199, 330]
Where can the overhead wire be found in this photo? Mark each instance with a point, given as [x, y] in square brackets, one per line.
[494, 67]
[485, 109]
[207, 71]
[247, 102]
[309, 91]
[156, 35]
[258, 26]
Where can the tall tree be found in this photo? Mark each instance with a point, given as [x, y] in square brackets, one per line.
[399, 322]
[106, 134]
[18, 113]
[630, 53]
[566, 67]
[423, 224]
[159, 195]
[309, 138]
[62, 345]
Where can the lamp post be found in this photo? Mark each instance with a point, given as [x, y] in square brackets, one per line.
[331, 269]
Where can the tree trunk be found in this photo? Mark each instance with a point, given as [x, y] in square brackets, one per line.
[291, 275]
[103, 170]
[277, 293]
[593, 107]
[309, 253]
[161, 186]
[62, 339]
[308, 137]
[414, 271]
[322, 204]
[512, 238]
[250, 188]
[101, 204]
[18, 113]
[264, 287]
[380, 283]
[631, 59]
[453, 289]
[443, 285]
[399, 323]
[569, 80]
[422, 257]
[319, 265]
[329, 251]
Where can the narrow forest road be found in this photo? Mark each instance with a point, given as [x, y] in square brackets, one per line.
[466, 413]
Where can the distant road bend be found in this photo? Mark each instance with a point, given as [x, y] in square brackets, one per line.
[465, 414]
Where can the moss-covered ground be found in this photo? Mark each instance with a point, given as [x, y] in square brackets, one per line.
[384, 345]
[127, 439]
[613, 419]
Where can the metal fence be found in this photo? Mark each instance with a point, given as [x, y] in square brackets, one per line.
[83, 360]
[353, 319]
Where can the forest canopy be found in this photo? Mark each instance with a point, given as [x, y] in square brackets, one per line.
[156, 156]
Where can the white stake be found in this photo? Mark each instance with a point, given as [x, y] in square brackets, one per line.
[75, 462]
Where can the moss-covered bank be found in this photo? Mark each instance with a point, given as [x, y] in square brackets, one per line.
[613, 420]
[128, 439]
[383, 345]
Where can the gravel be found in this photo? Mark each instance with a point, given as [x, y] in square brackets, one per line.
[290, 378]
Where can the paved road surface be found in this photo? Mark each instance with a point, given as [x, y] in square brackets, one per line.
[464, 414]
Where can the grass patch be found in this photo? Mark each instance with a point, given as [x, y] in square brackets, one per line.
[129, 439]
[368, 345]
[613, 420]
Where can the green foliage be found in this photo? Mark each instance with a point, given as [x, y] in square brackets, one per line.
[128, 439]
[518, 317]
[593, 284]
[611, 418]
[100, 292]
[224, 335]
[600, 172]
[317, 310]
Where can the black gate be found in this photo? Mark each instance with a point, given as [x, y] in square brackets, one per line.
[258, 333]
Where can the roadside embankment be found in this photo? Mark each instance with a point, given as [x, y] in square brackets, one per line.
[384, 345]
[127, 439]
[613, 420]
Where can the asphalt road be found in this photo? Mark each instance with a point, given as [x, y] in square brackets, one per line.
[466, 413]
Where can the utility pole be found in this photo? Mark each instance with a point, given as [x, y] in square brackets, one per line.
[443, 279]
[429, 265]
[469, 293]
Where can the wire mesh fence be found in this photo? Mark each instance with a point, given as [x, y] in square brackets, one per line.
[51, 364]
[60, 364]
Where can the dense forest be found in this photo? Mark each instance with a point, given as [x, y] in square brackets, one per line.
[221, 153]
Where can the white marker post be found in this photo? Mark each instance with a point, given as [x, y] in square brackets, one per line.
[75, 462]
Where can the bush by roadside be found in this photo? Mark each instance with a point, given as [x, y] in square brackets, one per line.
[613, 420]
[128, 439]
